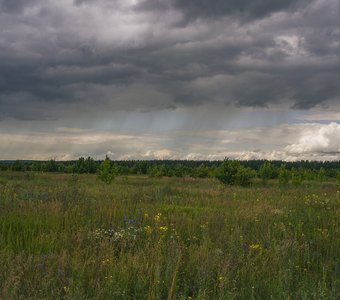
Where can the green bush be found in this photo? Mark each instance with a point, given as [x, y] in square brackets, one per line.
[106, 172]
[266, 172]
[284, 175]
[157, 171]
[227, 172]
[322, 174]
[338, 176]
[244, 176]
[296, 177]
[201, 171]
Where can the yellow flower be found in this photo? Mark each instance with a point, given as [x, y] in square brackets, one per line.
[148, 229]
[105, 261]
[255, 247]
[157, 217]
[163, 228]
[66, 289]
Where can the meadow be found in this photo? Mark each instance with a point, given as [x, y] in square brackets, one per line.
[65, 236]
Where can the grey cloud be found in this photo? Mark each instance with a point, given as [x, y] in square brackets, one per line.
[116, 56]
[317, 89]
[242, 9]
[15, 6]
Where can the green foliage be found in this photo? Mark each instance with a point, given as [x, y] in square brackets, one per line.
[309, 174]
[4, 167]
[283, 175]
[202, 171]
[83, 165]
[69, 169]
[337, 177]
[18, 166]
[297, 177]
[244, 176]
[322, 174]
[157, 171]
[266, 172]
[178, 171]
[106, 172]
[226, 173]
[52, 166]
[231, 172]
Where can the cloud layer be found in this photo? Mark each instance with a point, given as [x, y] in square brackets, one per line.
[150, 55]
[308, 141]
[86, 64]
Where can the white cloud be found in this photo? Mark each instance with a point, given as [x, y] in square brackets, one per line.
[317, 139]
[159, 154]
[312, 141]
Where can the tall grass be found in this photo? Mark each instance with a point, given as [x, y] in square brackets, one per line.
[71, 237]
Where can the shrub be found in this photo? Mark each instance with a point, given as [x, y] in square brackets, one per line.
[157, 171]
[106, 172]
[244, 176]
[201, 171]
[338, 176]
[226, 173]
[284, 175]
[296, 177]
[266, 172]
[322, 174]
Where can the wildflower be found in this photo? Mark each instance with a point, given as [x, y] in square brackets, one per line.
[148, 229]
[157, 217]
[255, 247]
[105, 261]
[66, 289]
[220, 278]
[163, 228]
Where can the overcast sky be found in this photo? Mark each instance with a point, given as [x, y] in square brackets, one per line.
[170, 79]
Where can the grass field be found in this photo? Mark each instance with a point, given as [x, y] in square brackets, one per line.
[72, 237]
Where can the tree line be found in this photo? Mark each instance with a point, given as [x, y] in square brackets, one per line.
[231, 172]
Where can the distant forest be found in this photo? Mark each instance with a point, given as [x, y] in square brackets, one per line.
[305, 170]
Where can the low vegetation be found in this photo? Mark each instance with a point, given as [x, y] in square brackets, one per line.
[70, 236]
[229, 172]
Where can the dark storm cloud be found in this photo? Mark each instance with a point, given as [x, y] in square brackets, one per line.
[242, 9]
[152, 55]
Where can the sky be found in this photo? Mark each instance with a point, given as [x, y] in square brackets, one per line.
[170, 79]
